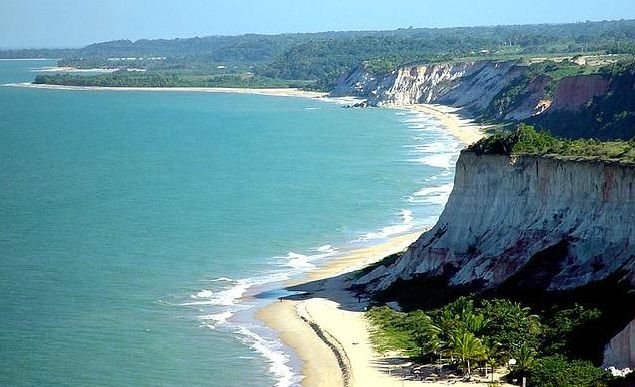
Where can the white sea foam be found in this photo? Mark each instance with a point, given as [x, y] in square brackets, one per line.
[273, 352]
[443, 160]
[225, 297]
[304, 262]
[432, 195]
[221, 279]
[386, 232]
[203, 294]
[299, 261]
[217, 319]
[327, 249]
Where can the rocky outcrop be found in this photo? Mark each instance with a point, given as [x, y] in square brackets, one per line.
[542, 222]
[620, 351]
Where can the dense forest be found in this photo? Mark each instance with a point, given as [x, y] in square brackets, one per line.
[322, 57]
[124, 78]
[317, 60]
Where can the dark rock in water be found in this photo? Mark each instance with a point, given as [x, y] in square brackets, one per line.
[362, 104]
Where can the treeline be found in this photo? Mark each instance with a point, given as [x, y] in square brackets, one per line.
[125, 78]
[324, 56]
[38, 53]
[527, 141]
[547, 347]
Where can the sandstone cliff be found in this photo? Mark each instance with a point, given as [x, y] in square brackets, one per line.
[503, 90]
[563, 223]
[530, 222]
[471, 85]
[620, 351]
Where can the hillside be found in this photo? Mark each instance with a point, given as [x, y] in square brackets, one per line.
[577, 97]
[323, 57]
[528, 220]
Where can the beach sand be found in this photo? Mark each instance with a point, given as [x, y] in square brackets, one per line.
[286, 92]
[328, 321]
[465, 129]
[326, 326]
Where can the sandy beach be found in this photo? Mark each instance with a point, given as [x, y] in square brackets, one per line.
[326, 325]
[327, 328]
[465, 129]
[281, 92]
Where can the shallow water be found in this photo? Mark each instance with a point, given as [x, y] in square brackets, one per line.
[132, 223]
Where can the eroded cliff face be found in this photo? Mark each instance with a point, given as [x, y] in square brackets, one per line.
[573, 92]
[620, 351]
[467, 84]
[542, 223]
[472, 86]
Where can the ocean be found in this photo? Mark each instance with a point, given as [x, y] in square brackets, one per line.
[134, 225]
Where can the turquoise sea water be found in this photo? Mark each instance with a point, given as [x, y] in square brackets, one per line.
[133, 223]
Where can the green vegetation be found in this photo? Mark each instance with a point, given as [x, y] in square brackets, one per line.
[488, 333]
[387, 261]
[125, 78]
[558, 371]
[548, 72]
[607, 117]
[323, 57]
[527, 141]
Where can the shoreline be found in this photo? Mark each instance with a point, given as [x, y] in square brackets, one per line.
[319, 332]
[463, 128]
[276, 92]
[326, 326]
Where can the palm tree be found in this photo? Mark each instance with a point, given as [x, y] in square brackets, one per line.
[435, 346]
[525, 357]
[467, 347]
[474, 323]
[424, 331]
[491, 350]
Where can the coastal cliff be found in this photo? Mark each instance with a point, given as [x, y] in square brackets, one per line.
[570, 99]
[467, 84]
[530, 224]
[563, 223]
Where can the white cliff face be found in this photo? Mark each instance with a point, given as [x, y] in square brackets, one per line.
[556, 224]
[467, 84]
[620, 351]
[470, 85]
[418, 84]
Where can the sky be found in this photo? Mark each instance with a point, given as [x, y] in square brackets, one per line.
[66, 23]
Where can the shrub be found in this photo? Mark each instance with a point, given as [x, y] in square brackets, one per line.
[557, 371]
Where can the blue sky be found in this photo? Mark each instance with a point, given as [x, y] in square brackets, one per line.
[66, 23]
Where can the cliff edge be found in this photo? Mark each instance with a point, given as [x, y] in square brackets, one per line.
[565, 222]
[529, 223]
